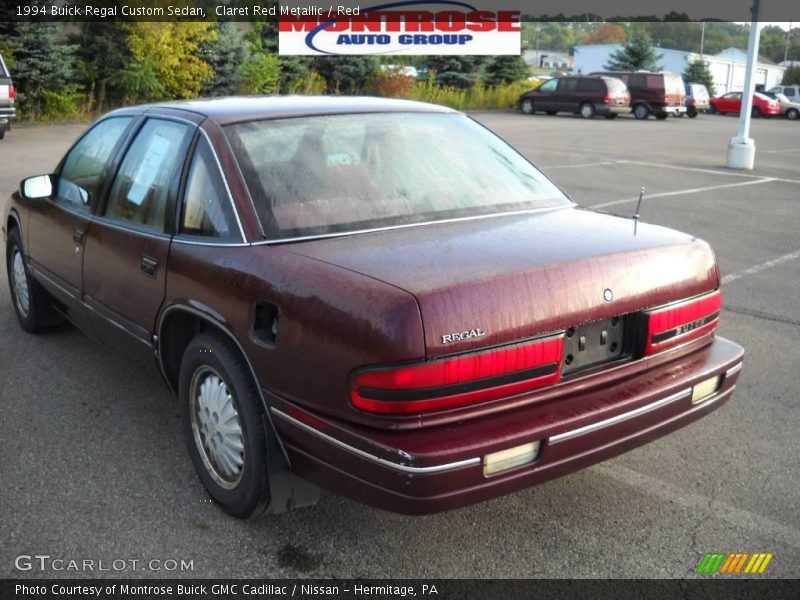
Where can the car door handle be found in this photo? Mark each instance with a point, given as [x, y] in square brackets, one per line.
[149, 266]
[78, 234]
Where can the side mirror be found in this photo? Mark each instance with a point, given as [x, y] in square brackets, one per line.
[36, 188]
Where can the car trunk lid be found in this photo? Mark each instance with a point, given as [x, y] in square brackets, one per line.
[505, 278]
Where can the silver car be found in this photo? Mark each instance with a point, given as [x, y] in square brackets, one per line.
[7, 110]
[790, 109]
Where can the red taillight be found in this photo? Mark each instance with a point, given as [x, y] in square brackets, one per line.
[11, 92]
[460, 380]
[606, 99]
[683, 321]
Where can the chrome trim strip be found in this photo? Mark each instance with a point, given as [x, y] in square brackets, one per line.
[408, 225]
[376, 459]
[116, 324]
[38, 273]
[568, 435]
[734, 369]
[177, 240]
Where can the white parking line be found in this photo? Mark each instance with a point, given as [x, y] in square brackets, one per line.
[592, 164]
[680, 168]
[761, 267]
[682, 192]
[715, 509]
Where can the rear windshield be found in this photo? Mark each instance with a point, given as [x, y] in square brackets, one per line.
[615, 86]
[3, 70]
[673, 84]
[334, 174]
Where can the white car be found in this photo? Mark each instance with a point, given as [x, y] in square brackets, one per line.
[791, 110]
[7, 110]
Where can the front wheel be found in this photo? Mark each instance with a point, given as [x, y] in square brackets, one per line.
[527, 107]
[587, 110]
[641, 112]
[224, 425]
[32, 304]
[792, 114]
[756, 112]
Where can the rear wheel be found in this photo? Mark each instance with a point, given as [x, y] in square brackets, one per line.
[224, 425]
[692, 112]
[32, 303]
[527, 107]
[640, 111]
[610, 115]
[792, 114]
[756, 112]
[551, 112]
[587, 110]
[661, 116]
[712, 109]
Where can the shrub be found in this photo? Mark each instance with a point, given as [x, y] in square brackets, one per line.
[393, 84]
[62, 104]
[309, 84]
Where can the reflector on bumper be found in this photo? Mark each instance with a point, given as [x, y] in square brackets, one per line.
[497, 462]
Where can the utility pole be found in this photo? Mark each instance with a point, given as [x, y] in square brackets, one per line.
[702, 37]
[742, 148]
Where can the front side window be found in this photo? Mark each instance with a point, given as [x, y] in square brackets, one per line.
[207, 210]
[331, 174]
[83, 171]
[549, 86]
[141, 189]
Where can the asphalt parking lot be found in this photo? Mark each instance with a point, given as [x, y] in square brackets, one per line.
[94, 466]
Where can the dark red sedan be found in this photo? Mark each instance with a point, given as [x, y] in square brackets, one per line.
[374, 296]
[763, 106]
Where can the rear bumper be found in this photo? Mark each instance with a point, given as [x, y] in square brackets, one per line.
[671, 110]
[440, 468]
[606, 109]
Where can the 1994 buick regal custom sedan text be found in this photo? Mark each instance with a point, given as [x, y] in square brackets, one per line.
[374, 296]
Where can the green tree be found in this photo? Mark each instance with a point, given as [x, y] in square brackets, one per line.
[226, 53]
[41, 64]
[456, 71]
[262, 74]
[506, 69]
[296, 71]
[636, 55]
[697, 71]
[101, 53]
[347, 74]
[791, 76]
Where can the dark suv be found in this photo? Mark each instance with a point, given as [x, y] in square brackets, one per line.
[586, 96]
[660, 94]
[7, 110]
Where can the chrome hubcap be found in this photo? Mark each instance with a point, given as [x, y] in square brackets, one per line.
[586, 111]
[19, 282]
[217, 428]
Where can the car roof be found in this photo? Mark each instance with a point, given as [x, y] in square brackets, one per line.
[254, 108]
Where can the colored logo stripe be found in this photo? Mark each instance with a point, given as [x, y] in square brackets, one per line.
[733, 563]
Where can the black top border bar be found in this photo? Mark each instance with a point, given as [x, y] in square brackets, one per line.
[264, 10]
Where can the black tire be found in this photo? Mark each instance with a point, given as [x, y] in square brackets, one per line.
[641, 112]
[661, 116]
[712, 109]
[756, 113]
[610, 115]
[35, 314]
[2, 132]
[792, 114]
[210, 354]
[692, 115]
[551, 112]
[586, 110]
[527, 106]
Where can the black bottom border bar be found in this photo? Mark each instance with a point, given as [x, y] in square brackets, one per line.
[709, 588]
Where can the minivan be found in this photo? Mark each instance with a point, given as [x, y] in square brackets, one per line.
[660, 94]
[580, 95]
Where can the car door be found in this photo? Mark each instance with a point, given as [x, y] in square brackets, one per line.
[546, 95]
[124, 269]
[58, 226]
[567, 94]
[731, 102]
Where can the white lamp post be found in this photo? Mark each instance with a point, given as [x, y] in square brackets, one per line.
[742, 148]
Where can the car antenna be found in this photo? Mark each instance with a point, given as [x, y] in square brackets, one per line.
[639, 204]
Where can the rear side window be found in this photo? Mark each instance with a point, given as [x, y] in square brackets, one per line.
[790, 92]
[86, 163]
[655, 83]
[567, 85]
[590, 85]
[207, 210]
[141, 189]
[637, 82]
